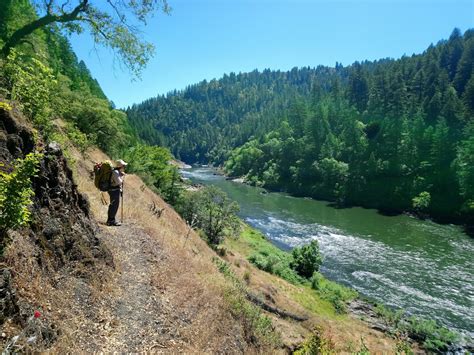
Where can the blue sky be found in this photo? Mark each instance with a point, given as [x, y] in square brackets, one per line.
[203, 39]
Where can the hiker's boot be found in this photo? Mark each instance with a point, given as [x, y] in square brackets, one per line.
[114, 223]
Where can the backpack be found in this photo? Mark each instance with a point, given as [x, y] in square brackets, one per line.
[103, 175]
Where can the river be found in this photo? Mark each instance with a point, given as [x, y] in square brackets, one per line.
[420, 266]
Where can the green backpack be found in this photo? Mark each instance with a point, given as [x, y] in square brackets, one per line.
[103, 175]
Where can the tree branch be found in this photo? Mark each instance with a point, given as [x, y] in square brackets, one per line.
[49, 6]
[95, 26]
[63, 6]
[47, 19]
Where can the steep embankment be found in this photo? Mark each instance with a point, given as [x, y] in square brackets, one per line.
[47, 266]
[96, 288]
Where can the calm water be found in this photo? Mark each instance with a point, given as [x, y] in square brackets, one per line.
[420, 266]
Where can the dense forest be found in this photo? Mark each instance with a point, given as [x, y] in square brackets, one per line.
[392, 134]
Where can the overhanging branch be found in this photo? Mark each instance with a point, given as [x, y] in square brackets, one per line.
[47, 19]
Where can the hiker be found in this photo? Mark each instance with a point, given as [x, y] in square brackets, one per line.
[116, 188]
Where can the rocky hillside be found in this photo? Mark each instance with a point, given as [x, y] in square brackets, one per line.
[61, 242]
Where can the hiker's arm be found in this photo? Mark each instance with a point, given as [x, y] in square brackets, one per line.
[116, 179]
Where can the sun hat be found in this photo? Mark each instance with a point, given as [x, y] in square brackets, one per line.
[120, 162]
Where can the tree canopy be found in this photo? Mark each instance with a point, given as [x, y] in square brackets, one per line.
[111, 23]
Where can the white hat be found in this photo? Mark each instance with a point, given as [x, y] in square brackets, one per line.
[120, 162]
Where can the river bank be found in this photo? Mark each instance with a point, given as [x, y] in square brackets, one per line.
[255, 248]
[292, 295]
[340, 303]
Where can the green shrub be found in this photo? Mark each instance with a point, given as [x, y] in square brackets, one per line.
[212, 211]
[317, 343]
[16, 193]
[78, 138]
[33, 85]
[5, 106]
[403, 347]
[337, 294]
[390, 317]
[306, 259]
[433, 336]
[277, 264]
[422, 201]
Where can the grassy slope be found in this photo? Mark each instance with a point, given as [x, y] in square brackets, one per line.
[185, 277]
[346, 332]
[191, 268]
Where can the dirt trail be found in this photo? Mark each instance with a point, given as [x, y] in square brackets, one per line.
[137, 315]
[133, 317]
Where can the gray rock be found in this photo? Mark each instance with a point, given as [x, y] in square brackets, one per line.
[54, 148]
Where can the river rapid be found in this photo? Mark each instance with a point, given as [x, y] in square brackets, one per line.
[402, 262]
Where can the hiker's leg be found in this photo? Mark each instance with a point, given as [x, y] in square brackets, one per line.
[114, 204]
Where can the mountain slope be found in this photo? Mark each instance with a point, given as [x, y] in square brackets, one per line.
[204, 121]
[99, 288]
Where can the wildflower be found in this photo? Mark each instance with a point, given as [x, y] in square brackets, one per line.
[37, 314]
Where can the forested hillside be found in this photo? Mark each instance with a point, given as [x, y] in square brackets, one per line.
[204, 121]
[392, 134]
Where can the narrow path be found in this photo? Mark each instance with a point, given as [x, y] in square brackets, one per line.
[132, 315]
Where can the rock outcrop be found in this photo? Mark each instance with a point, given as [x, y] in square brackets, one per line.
[62, 236]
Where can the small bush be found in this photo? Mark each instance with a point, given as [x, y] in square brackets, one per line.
[422, 201]
[403, 347]
[16, 193]
[277, 264]
[221, 251]
[337, 294]
[306, 259]
[78, 138]
[33, 85]
[5, 106]
[247, 277]
[210, 210]
[433, 336]
[390, 317]
[317, 343]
